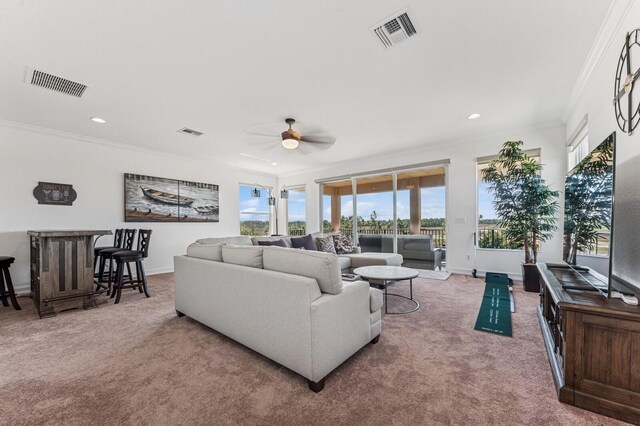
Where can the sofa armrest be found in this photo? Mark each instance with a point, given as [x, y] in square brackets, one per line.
[340, 326]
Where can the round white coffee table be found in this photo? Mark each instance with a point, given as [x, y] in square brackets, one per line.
[386, 274]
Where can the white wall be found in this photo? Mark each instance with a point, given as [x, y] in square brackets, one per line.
[96, 172]
[462, 192]
[593, 98]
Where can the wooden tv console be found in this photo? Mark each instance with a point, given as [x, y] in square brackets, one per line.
[593, 345]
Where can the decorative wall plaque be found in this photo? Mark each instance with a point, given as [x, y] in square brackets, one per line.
[60, 194]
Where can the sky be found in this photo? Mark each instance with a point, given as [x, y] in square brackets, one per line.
[248, 204]
[433, 204]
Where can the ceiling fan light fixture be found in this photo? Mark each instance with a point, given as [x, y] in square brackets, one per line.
[290, 143]
[290, 139]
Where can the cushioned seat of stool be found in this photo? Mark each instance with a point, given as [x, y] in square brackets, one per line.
[110, 251]
[97, 250]
[127, 255]
[8, 260]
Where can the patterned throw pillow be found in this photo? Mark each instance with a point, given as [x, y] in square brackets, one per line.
[342, 244]
[325, 244]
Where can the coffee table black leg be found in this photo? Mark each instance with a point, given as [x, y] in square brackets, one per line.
[411, 289]
[386, 305]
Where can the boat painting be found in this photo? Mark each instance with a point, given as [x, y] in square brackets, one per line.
[165, 197]
[207, 209]
[154, 199]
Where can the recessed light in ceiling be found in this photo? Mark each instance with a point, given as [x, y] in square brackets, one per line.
[274, 164]
[98, 120]
[474, 116]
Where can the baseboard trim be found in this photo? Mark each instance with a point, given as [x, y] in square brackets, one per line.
[25, 289]
[482, 273]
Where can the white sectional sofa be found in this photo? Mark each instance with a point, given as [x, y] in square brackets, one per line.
[287, 304]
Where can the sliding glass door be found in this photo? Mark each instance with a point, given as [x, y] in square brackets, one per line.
[375, 213]
[421, 210]
[400, 212]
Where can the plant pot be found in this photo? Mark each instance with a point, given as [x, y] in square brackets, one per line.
[530, 277]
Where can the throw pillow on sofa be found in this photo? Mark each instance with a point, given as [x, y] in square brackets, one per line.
[243, 255]
[206, 251]
[326, 245]
[307, 242]
[342, 244]
[277, 243]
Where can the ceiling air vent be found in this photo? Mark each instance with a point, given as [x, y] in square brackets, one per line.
[53, 82]
[191, 132]
[395, 29]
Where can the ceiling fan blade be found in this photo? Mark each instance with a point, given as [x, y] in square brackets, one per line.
[319, 139]
[261, 134]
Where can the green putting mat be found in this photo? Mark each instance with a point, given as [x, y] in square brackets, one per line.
[495, 312]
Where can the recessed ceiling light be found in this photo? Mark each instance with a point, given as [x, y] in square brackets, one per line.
[98, 120]
[274, 164]
[474, 116]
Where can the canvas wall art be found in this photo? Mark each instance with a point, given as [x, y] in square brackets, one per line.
[154, 199]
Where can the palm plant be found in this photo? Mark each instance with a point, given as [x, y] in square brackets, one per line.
[588, 199]
[525, 205]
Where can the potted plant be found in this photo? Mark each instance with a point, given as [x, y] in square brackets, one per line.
[525, 205]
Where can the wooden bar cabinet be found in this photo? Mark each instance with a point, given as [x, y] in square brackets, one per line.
[62, 270]
[593, 344]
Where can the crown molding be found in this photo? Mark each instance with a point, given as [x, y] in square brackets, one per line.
[618, 10]
[127, 147]
[392, 155]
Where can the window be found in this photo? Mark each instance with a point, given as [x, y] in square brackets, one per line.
[490, 235]
[326, 213]
[255, 212]
[297, 212]
[578, 144]
[578, 151]
[395, 211]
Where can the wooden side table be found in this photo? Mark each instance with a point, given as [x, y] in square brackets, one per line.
[62, 270]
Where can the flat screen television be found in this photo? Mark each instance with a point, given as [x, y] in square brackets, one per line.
[588, 213]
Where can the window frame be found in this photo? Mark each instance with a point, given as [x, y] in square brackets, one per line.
[268, 213]
[484, 161]
[296, 188]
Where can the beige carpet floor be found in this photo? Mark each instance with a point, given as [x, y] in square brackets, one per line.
[137, 363]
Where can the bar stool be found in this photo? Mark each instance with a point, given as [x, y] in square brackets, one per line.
[97, 259]
[106, 255]
[5, 263]
[125, 257]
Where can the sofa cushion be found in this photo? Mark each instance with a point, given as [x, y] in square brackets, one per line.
[323, 267]
[345, 262]
[256, 240]
[239, 240]
[243, 255]
[415, 242]
[368, 259]
[375, 299]
[307, 242]
[325, 244]
[206, 251]
[278, 243]
[342, 244]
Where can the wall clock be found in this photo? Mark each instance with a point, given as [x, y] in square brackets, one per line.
[627, 105]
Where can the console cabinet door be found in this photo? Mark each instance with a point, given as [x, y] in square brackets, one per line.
[607, 360]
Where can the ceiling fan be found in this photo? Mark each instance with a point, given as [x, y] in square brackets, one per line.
[309, 138]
